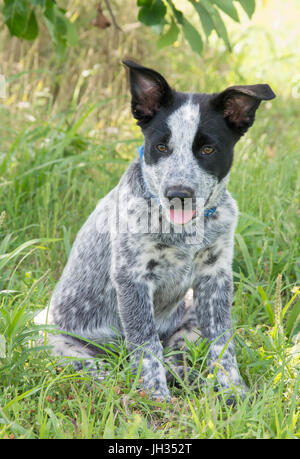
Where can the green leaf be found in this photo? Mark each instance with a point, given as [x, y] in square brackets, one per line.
[38, 2]
[54, 23]
[152, 14]
[16, 14]
[248, 6]
[246, 255]
[266, 304]
[207, 23]
[59, 42]
[195, 416]
[169, 37]
[109, 428]
[72, 35]
[177, 14]
[61, 27]
[228, 7]
[192, 36]
[294, 317]
[217, 21]
[5, 258]
[62, 31]
[144, 2]
[32, 29]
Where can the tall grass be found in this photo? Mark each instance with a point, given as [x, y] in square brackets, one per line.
[66, 138]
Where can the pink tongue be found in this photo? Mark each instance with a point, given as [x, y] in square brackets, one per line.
[180, 217]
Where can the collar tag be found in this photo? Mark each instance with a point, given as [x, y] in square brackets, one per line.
[209, 212]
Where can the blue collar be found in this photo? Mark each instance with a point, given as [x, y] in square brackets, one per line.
[141, 151]
[207, 212]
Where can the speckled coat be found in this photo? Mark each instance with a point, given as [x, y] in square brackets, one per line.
[132, 271]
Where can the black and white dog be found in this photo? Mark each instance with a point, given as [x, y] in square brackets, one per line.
[169, 273]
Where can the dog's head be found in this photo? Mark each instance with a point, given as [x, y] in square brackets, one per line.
[189, 137]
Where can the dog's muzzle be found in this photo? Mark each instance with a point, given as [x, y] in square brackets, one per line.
[181, 204]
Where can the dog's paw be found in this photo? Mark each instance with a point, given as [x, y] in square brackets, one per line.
[157, 390]
[231, 395]
[159, 397]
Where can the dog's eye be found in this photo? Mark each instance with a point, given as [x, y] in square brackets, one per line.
[162, 148]
[207, 150]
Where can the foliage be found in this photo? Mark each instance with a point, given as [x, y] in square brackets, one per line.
[50, 191]
[170, 20]
[21, 19]
[60, 154]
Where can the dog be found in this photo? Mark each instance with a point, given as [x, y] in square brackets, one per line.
[171, 279]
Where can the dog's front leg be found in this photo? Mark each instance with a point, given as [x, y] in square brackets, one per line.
[137, 317]
[212, 298]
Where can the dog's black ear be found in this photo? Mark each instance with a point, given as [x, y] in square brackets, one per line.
[239, 104]
[149, 91]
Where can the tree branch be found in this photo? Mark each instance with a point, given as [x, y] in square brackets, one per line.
[112, 15]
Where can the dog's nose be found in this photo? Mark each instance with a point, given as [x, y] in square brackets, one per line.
[179, 192]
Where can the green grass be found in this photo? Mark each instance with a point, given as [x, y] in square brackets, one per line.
[54, 169]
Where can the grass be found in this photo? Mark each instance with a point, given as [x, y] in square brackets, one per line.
[53, 169]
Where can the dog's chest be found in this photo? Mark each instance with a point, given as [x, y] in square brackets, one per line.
[169, 271]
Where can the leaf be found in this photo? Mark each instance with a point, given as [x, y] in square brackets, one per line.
[192, 36]
[7, 257]
[205, 18]
[109, 428]
[228, 7]
[16, 14]
[246, 256]
[72, 35]
[32, 29]
[62, 31]
[248, 6]
[20, 19]
[194, 416]
[266, 304]
[169, 37]
[152, 14]
[56, 30]
[177, 14]
[4, 244]
[144, 2]
[294, 317]
[217, 21]
[38, 2]
[61, 23]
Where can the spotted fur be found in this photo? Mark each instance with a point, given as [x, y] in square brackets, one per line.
[151, 282]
